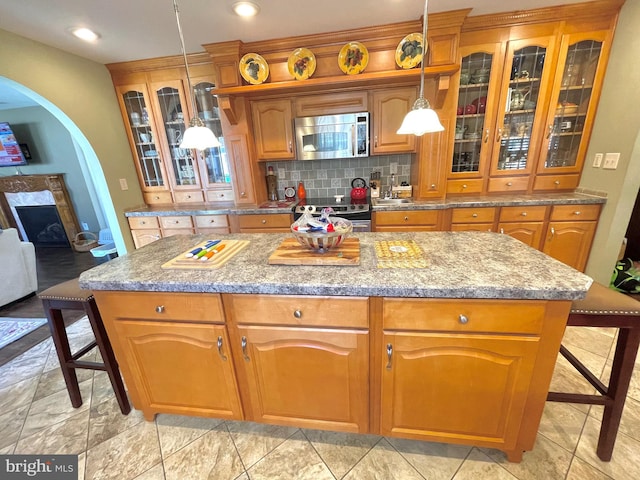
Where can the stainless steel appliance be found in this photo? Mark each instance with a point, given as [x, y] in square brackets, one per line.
[358, 211]
[332, 136]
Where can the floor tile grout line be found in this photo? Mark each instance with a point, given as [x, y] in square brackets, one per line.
[462, 463]
[302, 430]
[244, 466]
[368, 451]
[403, 457]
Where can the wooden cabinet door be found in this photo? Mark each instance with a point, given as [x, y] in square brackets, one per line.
[181, 368]
[456, 387]
[527, 232]
[273, 129]
[311, 378]
[238, 153]
[145, 237]
[389, 109]
[570, 242]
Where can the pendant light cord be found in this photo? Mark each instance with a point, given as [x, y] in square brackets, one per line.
[186, 64]
[425, 44]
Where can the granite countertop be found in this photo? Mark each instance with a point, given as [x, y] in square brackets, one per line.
[461, 265]
[575, 198]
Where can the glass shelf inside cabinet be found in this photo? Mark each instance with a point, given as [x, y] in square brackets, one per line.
[572, 103]
[473, 94]
[144, 139]
[520, 108]
[216, 161]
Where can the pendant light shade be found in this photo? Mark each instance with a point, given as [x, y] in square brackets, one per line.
[422, 118]
[197, 135]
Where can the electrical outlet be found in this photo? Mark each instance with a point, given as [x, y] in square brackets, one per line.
[597, 160]
[393, 168]
[123, 184]
[611, 161]
[85, 226]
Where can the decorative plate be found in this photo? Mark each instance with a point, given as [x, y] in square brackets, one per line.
[301, 63]
[409, 51]
[254, 69]
[353, 58]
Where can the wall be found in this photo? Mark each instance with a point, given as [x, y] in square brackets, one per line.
[326, 178]
[616, 129]
[80, 94]
[53, 151]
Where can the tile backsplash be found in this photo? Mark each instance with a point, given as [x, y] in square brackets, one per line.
[326, 178]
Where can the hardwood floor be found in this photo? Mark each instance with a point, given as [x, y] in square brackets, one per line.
[54, 265]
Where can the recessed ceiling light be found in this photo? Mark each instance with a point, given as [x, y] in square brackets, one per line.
[84, 34]
[246, 9]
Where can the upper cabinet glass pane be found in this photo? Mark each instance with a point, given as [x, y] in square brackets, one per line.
[520, 108]
[147, 153]
[473, 95]
[572, 103]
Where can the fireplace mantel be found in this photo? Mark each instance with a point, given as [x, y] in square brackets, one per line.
[34, 183]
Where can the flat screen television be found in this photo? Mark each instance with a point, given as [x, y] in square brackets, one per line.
[10, 152]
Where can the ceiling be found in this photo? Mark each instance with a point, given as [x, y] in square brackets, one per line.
[138, 29]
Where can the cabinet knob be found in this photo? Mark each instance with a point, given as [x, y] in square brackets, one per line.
[557, 182]
[188, 196]
[524, 214]
[406, 219]
[502, 231]
[160, 309]
[464, 185]
[463, 319]
[433, 186]
[509, 184]
[577, 212]
[243, 194]
[222, 195]
[264, 221]
[177, 222]
[156, 197]
[143, 223]
[297, 314]
[474, 215]
[212, 221]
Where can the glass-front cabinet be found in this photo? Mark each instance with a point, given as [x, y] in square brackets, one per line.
[573, 101]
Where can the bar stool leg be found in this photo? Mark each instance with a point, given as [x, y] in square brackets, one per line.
[622, 369]
[61, 341]
[109, 359]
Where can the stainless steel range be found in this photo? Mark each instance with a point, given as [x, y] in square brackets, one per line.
[358, 211]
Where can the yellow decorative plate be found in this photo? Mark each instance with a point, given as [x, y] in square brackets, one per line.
[301, 63]
[409, 51]
[254, 69]
[353, 58]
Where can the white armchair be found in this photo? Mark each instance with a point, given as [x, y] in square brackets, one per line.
[18, 275]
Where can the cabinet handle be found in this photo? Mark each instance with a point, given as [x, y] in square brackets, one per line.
[524, 214]
[264, 221]
[463, 319]
[509, 184]
[143, 223]
[486, 135]
[212, 221]
[389, 354]
[502, 231]
[222, 195]
[375, 141]
[406, 219]
[474, 215]
[177, 222]
[242, 194]
[557, 182]
[499, 135]
[290, 146]
[243, 344]
[550, 132]
[222, 355]
[160, 309]
[553, 232]
[577, 212]
[297, 314]
[433, 186]
[188, 196]
[464, 185]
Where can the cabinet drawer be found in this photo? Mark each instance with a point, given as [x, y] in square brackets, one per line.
[575, 212]
[556, 182]
[507, 316]
[219, 195]
[331, 104]
[188, 197]
[464, 186]
[140, 223]
[523, 214]
[211, 221]
[192, 307]
[158, 198]
[178, 221]
[275, 220]
[407, 217]
[473, 215]
[313, 312]
[508, 184]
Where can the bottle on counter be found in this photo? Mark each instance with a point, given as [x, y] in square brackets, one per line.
[302, 193]
[272, 185]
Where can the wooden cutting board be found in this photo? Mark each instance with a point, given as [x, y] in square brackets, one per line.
[290, 252]
[219, 259]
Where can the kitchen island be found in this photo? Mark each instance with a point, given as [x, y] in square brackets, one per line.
[461, 351]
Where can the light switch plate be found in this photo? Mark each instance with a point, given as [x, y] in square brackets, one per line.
[597, 160]
[611, 161]
[123, 184]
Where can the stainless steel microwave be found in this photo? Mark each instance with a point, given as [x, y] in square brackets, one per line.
[332, 136]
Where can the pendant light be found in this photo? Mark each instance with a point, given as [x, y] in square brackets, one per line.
[197, 135]
[422, 118]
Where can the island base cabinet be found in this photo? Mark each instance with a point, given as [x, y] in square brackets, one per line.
[305, 377]
[180, 368]
[469, 389]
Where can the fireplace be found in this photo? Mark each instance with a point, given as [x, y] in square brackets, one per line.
[43, 225]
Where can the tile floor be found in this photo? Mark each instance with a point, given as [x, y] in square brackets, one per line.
[36, 417]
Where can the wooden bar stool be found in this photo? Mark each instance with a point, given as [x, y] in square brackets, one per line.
[68, 295]
[604, 307]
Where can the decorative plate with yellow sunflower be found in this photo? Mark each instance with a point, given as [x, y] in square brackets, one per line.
[301, 63]
[353, 58]
[253, 68]
[409, 51]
